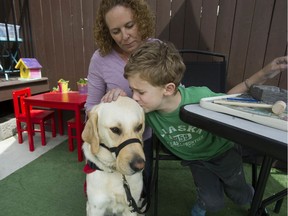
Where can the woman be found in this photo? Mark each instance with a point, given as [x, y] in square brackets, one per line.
[121, 26]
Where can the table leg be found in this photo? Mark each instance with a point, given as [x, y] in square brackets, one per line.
[78, 134]
[261, 184]
[29, 127]
[60, 121]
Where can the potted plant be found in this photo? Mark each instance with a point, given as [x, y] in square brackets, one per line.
[63, 85]
[82, 85]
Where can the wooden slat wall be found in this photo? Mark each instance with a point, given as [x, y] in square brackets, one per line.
[250, 33]
[63, 37]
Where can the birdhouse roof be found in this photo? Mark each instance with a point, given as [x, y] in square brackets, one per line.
[29, 63]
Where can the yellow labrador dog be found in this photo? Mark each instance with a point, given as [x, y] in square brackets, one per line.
[113, 149]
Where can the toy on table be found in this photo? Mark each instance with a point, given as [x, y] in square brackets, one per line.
[62, 86]
[260, 96]
[268, 94]
[277, 108]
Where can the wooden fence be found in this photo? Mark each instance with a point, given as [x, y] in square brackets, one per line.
[250, 33]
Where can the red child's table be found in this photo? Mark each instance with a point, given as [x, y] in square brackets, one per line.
[61, 101]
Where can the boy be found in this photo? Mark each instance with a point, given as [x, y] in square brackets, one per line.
[154, 73]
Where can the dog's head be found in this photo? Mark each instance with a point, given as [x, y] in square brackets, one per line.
[112, 126]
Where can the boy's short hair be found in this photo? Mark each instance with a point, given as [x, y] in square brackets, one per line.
[156, 62]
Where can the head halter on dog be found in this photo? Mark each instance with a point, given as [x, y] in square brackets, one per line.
[130, 199]
[117, 149]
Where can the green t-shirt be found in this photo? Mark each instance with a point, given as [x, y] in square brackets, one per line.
[182, 139]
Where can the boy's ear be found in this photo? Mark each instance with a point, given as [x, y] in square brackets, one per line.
[170, 89]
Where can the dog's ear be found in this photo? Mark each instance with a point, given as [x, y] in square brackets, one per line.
[90, 132]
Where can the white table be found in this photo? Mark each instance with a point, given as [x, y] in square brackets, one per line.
[269, 141]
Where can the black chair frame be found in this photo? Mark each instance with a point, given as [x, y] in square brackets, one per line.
[209, 69]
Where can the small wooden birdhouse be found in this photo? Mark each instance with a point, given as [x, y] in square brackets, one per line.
[29, 68]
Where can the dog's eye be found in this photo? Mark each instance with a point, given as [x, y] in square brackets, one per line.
[115, 130]
[139, 127]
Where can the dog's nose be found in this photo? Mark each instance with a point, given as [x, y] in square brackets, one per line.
[137, 164]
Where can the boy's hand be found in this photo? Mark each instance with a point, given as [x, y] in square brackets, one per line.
[112, 95]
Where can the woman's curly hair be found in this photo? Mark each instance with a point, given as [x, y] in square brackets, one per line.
[142, 15]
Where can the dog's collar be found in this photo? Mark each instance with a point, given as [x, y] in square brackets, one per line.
[90, 167]
[93, 166]
[117, 149]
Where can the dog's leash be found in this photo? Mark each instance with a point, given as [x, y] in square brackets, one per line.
[131, 200]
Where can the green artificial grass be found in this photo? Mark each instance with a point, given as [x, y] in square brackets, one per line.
[177, 192]
[52, 185]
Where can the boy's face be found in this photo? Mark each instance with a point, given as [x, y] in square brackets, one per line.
[149, 97]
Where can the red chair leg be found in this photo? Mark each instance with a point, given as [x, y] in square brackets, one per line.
[19, 131]
[42, 131]
[33, 130]
[53, 126]
[70, 137]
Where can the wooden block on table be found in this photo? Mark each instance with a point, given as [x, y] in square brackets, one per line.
[268, 94]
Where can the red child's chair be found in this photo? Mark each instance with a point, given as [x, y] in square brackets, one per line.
[38, 116]
[72, 126]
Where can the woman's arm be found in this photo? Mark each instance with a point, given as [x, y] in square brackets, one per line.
[275, 67]
[96, 83]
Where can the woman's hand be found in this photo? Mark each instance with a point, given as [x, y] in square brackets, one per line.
[112, 95]
[275, 67]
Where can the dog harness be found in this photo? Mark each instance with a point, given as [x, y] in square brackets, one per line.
[117, 149]
[92, 167]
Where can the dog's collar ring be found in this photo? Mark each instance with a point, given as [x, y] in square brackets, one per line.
[117, 149]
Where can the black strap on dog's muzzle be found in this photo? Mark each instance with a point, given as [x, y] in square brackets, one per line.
[117, 149]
